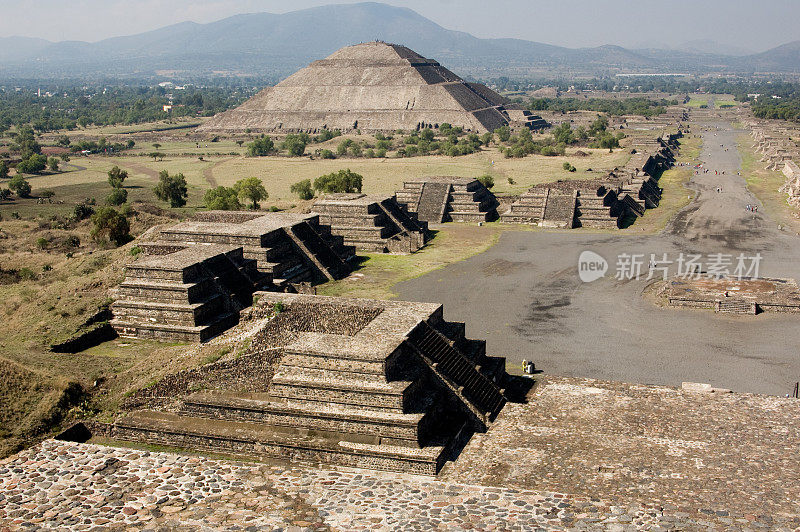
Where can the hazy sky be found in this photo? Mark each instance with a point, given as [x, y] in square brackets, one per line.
[749, 24]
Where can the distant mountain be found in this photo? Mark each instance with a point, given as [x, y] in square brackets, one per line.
[271, 45]
[782, 58]
[708, 46]
[20, 48]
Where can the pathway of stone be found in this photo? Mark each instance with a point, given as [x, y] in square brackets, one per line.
[64, 485]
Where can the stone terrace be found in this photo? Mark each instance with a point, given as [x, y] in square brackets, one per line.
[581, 455]
[379, 384]
[371, 223]
[438, 199]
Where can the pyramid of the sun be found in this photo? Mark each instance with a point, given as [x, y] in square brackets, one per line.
[372, 86]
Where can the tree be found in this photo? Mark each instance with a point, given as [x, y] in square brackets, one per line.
[111, 225]
[427, 134]
[302, 189]
[118, 196]
[341, 181]
[156, 155]
[25, 143]
[21, 187]
[486, 180]
[563, 133]
[52, 164]
[4, 194]
[3, 170]
[63, 141]
[260, 147]
[64, 157]
[171, 189]
[116, 177]
[240, 142]
[34, 164]
[221, 199]
[503, 133]
[156, 145]
[251, 188]
[295, 144]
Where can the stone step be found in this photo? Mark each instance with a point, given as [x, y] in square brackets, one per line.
[189, 314]
[135, 288]
[175, 333]
[468, 216]
[322, 386]
[264, 441]
[402, 429]
[367, 370]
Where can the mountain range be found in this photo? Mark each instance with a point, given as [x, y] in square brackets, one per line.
[274, 45]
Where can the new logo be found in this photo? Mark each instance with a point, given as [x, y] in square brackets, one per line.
[591, 266]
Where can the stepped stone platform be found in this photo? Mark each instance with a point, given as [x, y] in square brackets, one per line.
[374, 384]
[439, 199]
[196, 276]
[373, 86]
[732, 295]
[610, 202]
[372, 223]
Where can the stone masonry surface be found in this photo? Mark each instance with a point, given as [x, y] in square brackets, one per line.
[581, 455]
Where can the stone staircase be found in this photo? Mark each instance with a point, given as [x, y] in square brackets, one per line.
[529, 209]
[460, 373]
[599, 211]
[189, 296]
[559, 210]
[432, 202]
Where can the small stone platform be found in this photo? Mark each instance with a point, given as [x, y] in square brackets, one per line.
[371, 223]
[731, 295]
[374, 384]
[439, 199]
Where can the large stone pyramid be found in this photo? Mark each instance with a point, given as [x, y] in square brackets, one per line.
[372, 86]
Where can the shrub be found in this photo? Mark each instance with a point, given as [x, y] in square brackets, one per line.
[126, 210]
[46, 193]
[568, 167]
[3, 170]
[326, 154]
[486, 180]
[117, 197]
[42, 243]
[110, 224]
[302, 189]
[221, 199]
[260, 147]
[20, 186]
[327, 134]
[171, 189]
[82, 211]
[251, 188]
[4, 194]
[73, 241]
[341, 149]
[341, 181]
[52, 164]
[355, 149]
[116, 177]
[26, 274]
